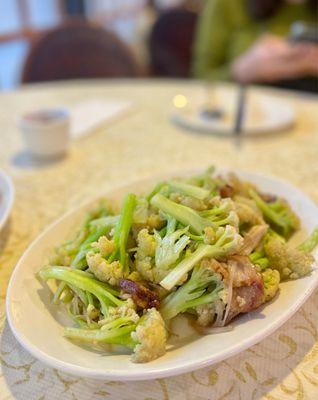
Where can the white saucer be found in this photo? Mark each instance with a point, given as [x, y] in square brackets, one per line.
[6, 197]
[264, 113]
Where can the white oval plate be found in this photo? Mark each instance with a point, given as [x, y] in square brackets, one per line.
[38, 325]
[6, 197]
[264, 114]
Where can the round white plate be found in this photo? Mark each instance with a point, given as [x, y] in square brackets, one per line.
[38, 325]
[6, 197]
[264, 114]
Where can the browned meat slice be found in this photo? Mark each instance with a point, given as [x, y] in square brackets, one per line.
[246, 299]
[248, 287]
[226, 191]
[243, 271]
[269, 198]
[239, 187]
[252, 239]
[142, 297]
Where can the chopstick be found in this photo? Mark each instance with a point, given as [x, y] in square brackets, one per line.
[240, 113]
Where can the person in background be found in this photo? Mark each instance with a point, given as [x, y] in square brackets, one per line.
[247, 41]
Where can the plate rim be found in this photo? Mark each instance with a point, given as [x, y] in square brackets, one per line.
[164, 371]
[11, 194]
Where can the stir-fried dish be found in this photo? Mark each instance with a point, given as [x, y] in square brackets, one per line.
[209, 246]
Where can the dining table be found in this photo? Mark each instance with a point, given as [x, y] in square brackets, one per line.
[139, 144]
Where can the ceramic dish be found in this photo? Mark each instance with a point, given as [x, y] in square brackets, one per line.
[38, 325]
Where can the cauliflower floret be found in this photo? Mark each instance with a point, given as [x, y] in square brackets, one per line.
[155, 255]
[145, 335]
[206, 314]
[290, 262]
[209, 235]
[233, 219]
[222, 213]
[229, 205]
[145, 267]
[104, 245]
[140, 214]
[126, 310]
[146, 244]
[154, 221]
[147, 270]
[215, 201]
[247, 211]
[104, 270]
[134, 276]
[211, 313]
[271, 280]
[145, 254]
[228, 238]
[150, 336]
[213, 237]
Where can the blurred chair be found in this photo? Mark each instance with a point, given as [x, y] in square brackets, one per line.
[78, 50]
[171, 43]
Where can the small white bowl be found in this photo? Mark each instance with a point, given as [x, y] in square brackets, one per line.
[46, 132]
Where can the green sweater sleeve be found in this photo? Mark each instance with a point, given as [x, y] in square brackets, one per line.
[212, 39]
[225, 30]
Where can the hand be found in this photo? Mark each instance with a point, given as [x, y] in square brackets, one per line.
[311, 59]
[271, 59]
